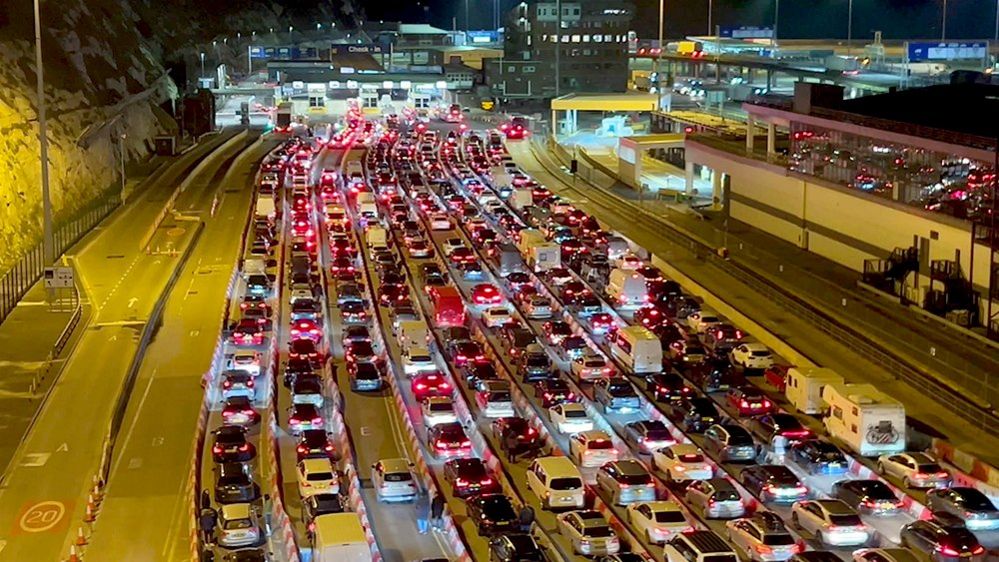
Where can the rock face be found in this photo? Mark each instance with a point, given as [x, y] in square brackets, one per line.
[104, 78]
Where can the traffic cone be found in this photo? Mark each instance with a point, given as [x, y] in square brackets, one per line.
[74, 556]
[96, 495]
[89, 517]
[80, 539]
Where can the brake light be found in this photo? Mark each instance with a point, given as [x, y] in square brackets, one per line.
[466, 443]
[328, 448]
[244, 447]
[227, 384]
[217, 450]
[301, 449]
[947, 550]
[294, 421]
[920, 475]
[978, 550]
[763, 549]
[317, 420]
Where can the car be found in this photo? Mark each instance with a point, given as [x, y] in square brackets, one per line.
[316, 476]
[238, 410]
[366, 376]
[687, 352]
[570, 417]
[916, 470]
[626, 481]
[730, 442]
[463, 352]
[304, 416]
[831, 522]
[693, 414]
[773, 483]
[533, 364]
[515, 434]
[942, 539]
[555, 331]
[359, 352]
[667, 387]
[518, 338]
[322, 504]
[537, 307]
[233, 483]
[307, 329]
[786, 427]
[238, 383]
[306, 309]
[419, 249]
[246, 360]
[493, 399]
[815, 456]
[871, 497]
[602, 323]
[648, 435]
[682, 462]
[616, 394]
[314, 444]
[553, 391]
[588, 532]
[699, 321]
[304, 348]
[448, 440]
[493, 514]
[497, 316]
[748, 401]
[470, 477]
[572, 347]
[592, 448]
[969, 504]
[751, 356]
[715, 498]
[238, 525]
[590, 366]
[440, 221]
[247, 332]
[393, 480]
[476, 371]
[486, 294]
[657, 521]
[515, 547]
[437, 410]
[763, 537]
[230, 445]
[429, 384]
[884, 555]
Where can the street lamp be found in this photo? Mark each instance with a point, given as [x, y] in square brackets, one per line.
[202, 64]
[710, 28]
[773, 41]
[943, 24]
[849, 26]
[48, 246]
[659, 56]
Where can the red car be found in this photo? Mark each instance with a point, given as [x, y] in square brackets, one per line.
[650, 317]
[602, 323]
[247, 332]
[749, 401]
[426, 385]
[306, 328]
[486, 294]
[303, 227]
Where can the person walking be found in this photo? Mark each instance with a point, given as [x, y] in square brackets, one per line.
[206, 500]
[437, 511]
[208, 520]
[422, 512]
[526, 518]
[511, 444]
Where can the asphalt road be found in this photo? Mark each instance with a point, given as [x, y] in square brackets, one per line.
[148, 485]
[44, 494]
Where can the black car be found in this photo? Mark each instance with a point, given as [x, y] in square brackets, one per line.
[233, 483]
[253, 554]
[493, 514]
[818, 457]
[470, 477]
[457, 333]
[323, 504]
[476, 371]
[365, 376]
[693, 414]
[534, 366]
[714, 375]
[773, 483]
[514, 547]
[942, 539]
[667, 387]
[314, 444]
[769, 426]
[867, 496]
[230, 445]
[517, 339]
[553, 391]
[298, 366]
[505, 430]
[623, 557]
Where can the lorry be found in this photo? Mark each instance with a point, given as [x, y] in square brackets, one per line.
[282, 118]
[804, 388]
[508, 259]
[366, 206]
[265, 207]
[449, 308]
[869, 421]
[500, 177]
[376, 238]
[691, 48]
[521, 198]
[627, 289]
[539, 254]
[340, 537]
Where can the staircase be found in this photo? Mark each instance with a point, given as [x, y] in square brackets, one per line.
[890, 274]
[950, 292]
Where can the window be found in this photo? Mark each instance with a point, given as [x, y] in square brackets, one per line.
[837, 412]
[511, 68]
[370, 101]
[317, 101]
[598, 38]
[586, 39]
[575, 11]
[853, 428]
[575, 39]
[608, 38]
[527, 69]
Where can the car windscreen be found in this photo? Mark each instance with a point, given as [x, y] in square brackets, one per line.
[849, 520]
[398, 477]
[670, 517]
[569, 483]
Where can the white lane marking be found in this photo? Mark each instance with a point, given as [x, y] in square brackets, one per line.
[135, 420]
[35, 459]
[64, 448]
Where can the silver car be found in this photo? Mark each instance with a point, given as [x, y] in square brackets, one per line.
[969, 504]
[626, 481]
[731, 442]
[716, 498]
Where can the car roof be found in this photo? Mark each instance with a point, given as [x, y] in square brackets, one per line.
[395, 465]
[836, 507]
[316, 465]
[595, 435]
[235, 511]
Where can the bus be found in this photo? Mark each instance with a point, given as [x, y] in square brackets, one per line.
[639, 349]
[449, 308]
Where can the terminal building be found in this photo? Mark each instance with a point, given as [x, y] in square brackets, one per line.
[898, 186]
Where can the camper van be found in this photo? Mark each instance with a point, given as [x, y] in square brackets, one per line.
[639, 349]
[627, 289]
[804, 388]
[869, 421]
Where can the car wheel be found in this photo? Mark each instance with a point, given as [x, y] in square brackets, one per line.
[906, 482]
[794, 521]
[881, 468]
[648, 535]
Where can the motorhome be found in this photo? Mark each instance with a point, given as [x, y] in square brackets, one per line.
[869, 421]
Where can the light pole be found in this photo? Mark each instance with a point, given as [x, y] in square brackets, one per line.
[710, 28]
[202, 64]
[943, 24]
[48, 247]
[467, 25]
[121, 163]
[558, 48]
[659, 56]
[849, 26]
[776, 21]
[997, 22]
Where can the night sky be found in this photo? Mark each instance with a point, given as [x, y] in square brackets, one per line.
[897, 19]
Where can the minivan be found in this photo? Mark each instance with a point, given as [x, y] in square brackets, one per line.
[557, 483]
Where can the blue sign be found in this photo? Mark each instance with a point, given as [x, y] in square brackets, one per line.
[257, 53]
[482, 37]
[942, 50]
[288, 53]
[364, 48]
[746, 32]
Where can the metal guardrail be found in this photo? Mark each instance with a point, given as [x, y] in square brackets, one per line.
[894, 365]
[67, 332]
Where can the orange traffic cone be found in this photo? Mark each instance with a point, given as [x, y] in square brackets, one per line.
[74, 556]
[80, 539]
[96, 494]
[89, 517]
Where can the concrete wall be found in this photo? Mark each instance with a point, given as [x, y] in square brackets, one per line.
[842, 225]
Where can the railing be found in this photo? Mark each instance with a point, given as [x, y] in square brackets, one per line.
[25, 272]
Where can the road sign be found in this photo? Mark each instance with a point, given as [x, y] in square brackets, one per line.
[42, 516]
[59, 277]
[366, 48]
[746, 32]
[946, 50]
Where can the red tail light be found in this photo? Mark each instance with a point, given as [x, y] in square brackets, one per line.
[217, 450]
[301, 449]
[244, 447]
[317, 420]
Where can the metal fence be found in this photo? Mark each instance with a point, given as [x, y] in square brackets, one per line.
[24, 273]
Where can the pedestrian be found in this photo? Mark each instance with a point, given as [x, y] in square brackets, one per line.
[208, 520]
[526, 518]
[206, 500]
[510, 443]
[422, 512]
[437, 511]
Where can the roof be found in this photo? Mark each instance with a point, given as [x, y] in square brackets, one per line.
[420, 29]
[606, 102]
[960, 108]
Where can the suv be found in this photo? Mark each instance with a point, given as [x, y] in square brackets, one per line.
[698, 546]
[731, 442]
[693, 414]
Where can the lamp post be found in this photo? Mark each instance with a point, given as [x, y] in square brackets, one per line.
[558, 48]
[48, 246]
[467, 25]
[849, 26]
[659, 56]
[710, 28]
[773, 41]
[202, 64]
[943, 22]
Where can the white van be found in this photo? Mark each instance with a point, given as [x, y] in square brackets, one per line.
[868, 420]
[413, 333]
[616, 247]
[366, 206]
[557, 483]
[627, 289]
[339, 537]
[639, 349]
[804, 388]
[265, 207]
[376, 238]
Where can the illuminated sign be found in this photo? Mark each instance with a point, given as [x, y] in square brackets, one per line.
[941, 50]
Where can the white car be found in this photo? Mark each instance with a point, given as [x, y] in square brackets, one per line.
[589, 532]
[417, 360]
[437, 410]
[317, 476]
[701, 320]
[440, 221]
[393, 480]
[493, 206]
[237, 382]
[451, 244]
[763, 537]
[628, 261]
[238, 525]
[590, 366]
[884, 555]
[496, 316]
[832, 522]
[657, 521]
[301, 293]
[570, 417]
[917, 470]
[246, 360]
[683, 461]
[592, 448]
[751, 356]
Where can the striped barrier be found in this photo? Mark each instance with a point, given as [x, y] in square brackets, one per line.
[976, 473]
[281, 520]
